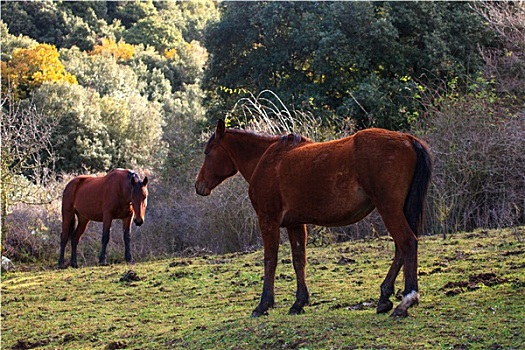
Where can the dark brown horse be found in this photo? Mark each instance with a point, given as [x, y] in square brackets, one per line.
[294, 181]
[118, 195]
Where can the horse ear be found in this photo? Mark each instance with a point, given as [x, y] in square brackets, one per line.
[221, 128]
[133, 180]
[145, 181]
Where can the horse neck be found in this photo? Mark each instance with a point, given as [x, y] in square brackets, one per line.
[246, 149]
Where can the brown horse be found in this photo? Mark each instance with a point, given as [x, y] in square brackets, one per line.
[294, 181]
[118, 195]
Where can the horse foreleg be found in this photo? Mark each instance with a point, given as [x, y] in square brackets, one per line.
[106, 229]
[297, 236]
[126, 227]
[75, 237]
[270, 236]
[387, 287]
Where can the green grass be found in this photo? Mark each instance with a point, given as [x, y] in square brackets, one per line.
[472, 288]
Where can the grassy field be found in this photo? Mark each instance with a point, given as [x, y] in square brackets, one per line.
[472, 288]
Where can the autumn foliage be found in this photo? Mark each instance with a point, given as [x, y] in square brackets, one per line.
[120, 51]
[29, 68]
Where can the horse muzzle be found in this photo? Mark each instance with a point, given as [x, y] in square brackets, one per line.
[138, 221]
[202, 189]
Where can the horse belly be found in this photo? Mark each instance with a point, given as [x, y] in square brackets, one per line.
[324, 207]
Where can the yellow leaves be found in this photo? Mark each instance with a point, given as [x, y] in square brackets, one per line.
[235, 91]
[30, 68]
[171, 54]
[120, 51]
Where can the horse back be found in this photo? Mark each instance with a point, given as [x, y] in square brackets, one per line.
[334, 183]
[92, 196]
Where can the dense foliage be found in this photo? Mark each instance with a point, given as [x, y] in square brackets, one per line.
[130, 60]
[92, 85]
[366, 60]
[111, 80]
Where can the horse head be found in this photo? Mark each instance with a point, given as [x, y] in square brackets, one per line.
[139, 198]
[218, 164]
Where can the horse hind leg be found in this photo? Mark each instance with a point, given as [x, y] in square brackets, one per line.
[68, 228]
[81, 227]
[406, 243]
[297, 236]
[387, 287]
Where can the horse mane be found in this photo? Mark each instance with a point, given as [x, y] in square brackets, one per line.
[289, 139]
[293, 139]
[131, 173]
[259, 135]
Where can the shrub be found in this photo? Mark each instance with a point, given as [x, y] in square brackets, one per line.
[479, 171]
[31, 237]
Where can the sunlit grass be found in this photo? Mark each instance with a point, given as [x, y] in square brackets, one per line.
[205, 302]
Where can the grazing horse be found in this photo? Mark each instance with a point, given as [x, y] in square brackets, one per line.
[294, 181]
[118, 195]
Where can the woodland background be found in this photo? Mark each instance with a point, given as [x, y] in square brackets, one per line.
[92, 85]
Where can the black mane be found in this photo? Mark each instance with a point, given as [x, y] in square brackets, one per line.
[293, 139]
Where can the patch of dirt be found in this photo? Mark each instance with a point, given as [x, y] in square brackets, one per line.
[24, 344]
[116, 345]
[130, 276]
[489, 279]
[180, 274]
[513, 252]
[431, 272]
[181, 263]
[284, 277]
[345, 261]
[298, 344]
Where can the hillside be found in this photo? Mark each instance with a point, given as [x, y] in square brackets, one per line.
[472, 297]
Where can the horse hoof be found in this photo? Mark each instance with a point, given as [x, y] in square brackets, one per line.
[256, 313]
[296, 311]
[383, 307]
[399, 313]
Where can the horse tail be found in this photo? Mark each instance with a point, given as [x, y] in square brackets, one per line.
[72, 226]
[68, 199]
[415, 201]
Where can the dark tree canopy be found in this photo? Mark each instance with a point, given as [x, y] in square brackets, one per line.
[359, 59]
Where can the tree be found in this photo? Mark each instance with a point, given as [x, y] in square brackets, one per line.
[120, 51]
[81, 139]
[353, 59]
[156, 31]
[39, 20]
[97, 133]
[11, 42]
[506, 64]
[101, 73]
[29, 68]
[27, 155]
[130, 12]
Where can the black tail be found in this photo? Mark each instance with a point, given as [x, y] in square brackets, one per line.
[416, 199]
[72, 227]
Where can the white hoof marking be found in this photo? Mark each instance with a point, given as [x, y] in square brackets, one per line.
[409, 300]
